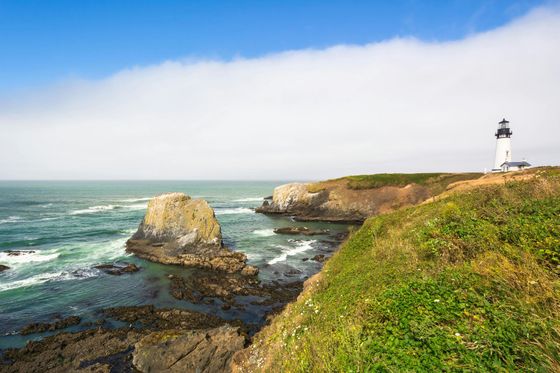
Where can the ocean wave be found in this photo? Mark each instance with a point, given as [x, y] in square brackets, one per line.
[236, 210]
[301, 246]
[11, 219]
[104, 208]
[138, 206]
[47, 219]
[33, 280]
[249, 199]
[94, 209]
[28, 256]
[132, 200]
[49, 277]
[264, 232]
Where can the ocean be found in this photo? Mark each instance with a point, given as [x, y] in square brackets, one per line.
[68, 227]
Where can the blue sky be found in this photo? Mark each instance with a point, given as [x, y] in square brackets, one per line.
[179, 90]
[44, 42]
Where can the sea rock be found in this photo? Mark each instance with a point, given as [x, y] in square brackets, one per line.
[319, 258]
[3, 268]
[202, 287]
[178, 217]
[19, 252]
[44, 327]
[151, 318]
[184, 231]
[118, 269]
[300, 230]
[207, 350]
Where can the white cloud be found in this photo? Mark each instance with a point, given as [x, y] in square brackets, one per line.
[399, 105]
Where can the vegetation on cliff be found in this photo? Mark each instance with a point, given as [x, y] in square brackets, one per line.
[468, 282]
[436, 181]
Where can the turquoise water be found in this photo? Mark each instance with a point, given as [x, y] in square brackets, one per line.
[73, 225]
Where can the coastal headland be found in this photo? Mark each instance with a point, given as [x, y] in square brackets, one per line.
[441, 261]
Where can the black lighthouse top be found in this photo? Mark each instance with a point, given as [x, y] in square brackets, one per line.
[503, 129]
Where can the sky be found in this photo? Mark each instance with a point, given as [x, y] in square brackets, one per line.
[273, 90]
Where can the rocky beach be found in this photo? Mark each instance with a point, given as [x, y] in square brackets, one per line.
[217, 296]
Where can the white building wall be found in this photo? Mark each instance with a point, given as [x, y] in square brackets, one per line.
[503, 152]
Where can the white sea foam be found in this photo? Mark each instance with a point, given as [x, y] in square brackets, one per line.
[34, 280]
[138, 206]
[104, 208]
[249, 199]
[28, 256]
[47, 219]
[131, 200]
[236, 210]
[301, 246]
[11, 219]
[93, 209]
[264, 232]
[38, 279]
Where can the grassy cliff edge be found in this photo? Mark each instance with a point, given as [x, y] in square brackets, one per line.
[467, 282]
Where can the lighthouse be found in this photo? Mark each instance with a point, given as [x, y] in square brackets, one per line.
[503, 145]
[502, 162]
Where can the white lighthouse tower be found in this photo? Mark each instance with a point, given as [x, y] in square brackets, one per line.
[503, 145]
[502, 162]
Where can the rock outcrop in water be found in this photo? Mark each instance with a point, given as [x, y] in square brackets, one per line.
[184, 231]
[301, 230]
[207, 350]
[44, 327]
[3, 268]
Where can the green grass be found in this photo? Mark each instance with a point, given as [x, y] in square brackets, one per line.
[467, 283]
[440, 180]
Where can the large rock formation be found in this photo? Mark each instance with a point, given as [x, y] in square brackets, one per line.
[355, 198]
[333, 201]
[180, 230]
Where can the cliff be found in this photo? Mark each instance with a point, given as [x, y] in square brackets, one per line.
[180, 230]
[466, 282]
[355, 198]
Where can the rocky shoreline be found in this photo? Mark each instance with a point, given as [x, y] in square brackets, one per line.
[146, 338]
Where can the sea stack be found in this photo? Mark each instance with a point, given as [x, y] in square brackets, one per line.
[184, 231]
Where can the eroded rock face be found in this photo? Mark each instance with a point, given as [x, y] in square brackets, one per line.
[180, 230]
[178, 217]
[207, 350]
[334, 201]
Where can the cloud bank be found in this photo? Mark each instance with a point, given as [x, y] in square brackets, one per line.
[402, 105]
